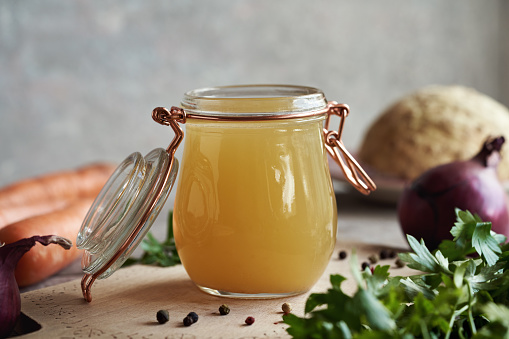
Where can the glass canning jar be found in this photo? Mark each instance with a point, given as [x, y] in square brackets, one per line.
[255, 213]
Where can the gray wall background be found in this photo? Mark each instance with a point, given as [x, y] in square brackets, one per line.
[78, 79]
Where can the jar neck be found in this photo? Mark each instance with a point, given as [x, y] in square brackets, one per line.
[254, 102]
[304, 122]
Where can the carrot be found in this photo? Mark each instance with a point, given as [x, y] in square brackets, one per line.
[41, 262]
[62, 185]
[12, 214]
[43, 194]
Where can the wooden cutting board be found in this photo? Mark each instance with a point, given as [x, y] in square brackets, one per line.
[125, 305]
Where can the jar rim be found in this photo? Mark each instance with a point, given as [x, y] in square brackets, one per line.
[261, 100]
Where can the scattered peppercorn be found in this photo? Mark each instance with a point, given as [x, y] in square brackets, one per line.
[162, 316]
[342, 255]
[250, 320]
[224, 309]
[188, 321]
[193, 316]
[373, 258]
[287, 308]
[399, 263]
[387, 254]
[365, 265]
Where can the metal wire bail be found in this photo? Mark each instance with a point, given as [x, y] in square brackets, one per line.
[352, 171]
[171, 118]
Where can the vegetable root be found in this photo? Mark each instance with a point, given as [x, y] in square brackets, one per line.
[50, 192]
[42, 262]
[53, 189]
[12, 214]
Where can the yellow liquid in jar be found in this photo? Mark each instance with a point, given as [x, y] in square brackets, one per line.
[255, 211]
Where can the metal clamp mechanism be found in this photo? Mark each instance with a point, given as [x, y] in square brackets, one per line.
[171, 118]
[352, 171]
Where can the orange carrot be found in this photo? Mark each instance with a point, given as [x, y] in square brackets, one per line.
[30, 197]
[41, 262]
[67, 185]
[12, 214]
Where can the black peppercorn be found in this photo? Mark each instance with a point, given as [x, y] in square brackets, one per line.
[365, 265]
[162, 316]
[188, 321]
[193, 316]
[384, 254]
[250, 320]
[342, 255]
[224, 309]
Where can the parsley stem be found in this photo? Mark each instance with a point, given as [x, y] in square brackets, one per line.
[451, 321]
[424, 330]
[470, 316]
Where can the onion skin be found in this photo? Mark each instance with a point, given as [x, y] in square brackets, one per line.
[426, 207]
[10, 299]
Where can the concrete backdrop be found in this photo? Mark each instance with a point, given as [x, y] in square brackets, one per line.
[78, 79]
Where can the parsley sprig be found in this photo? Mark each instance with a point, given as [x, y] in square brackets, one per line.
[158, 253]
[460, 291]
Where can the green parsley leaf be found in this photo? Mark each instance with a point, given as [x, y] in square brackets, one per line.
[415, 286]
[498, 326]
[376, 314]
[485, 244]
[452, 294]
[422, 259]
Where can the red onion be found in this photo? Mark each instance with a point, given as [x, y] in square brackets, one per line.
[10, 300]
[426, 207]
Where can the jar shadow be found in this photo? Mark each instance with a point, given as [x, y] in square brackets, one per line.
[176, 290]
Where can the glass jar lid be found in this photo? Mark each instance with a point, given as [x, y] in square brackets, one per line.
[128, 205]
[124, 211]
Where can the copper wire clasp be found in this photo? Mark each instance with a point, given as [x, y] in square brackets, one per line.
[171, 118]
[352, 171]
